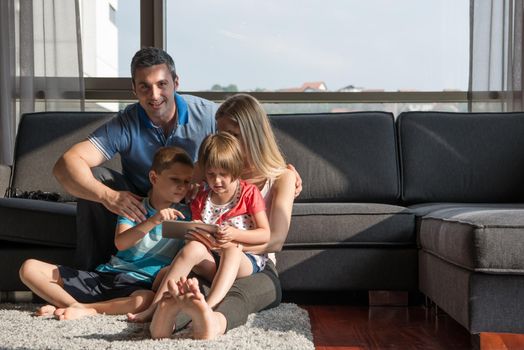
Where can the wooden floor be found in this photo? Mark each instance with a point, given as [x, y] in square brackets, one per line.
[347, 327]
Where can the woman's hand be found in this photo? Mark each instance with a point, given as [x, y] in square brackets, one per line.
[193, 190]
[298, 180]
[204, 237]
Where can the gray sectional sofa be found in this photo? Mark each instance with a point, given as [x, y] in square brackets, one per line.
[429, 201]
[462, 177]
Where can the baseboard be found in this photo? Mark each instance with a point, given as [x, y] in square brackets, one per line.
[16, 297]
[388, 298]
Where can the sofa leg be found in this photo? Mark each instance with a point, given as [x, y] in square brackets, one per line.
[388, 298]
[475, 341]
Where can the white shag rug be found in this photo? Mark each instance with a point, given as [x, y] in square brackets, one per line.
[284, 327]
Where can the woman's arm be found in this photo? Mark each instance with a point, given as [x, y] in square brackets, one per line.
[280, 215]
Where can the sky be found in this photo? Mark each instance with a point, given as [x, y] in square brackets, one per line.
[273, 44]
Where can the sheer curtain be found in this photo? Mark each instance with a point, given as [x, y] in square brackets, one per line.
[496, 55]
[40, 62]
[7, 81]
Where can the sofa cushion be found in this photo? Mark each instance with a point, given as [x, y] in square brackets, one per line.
[483, 239]
[350, 224]
[342, 157]
[462, 157]
[423, 209]
[348, 268]
[42, 138]
[38, 222]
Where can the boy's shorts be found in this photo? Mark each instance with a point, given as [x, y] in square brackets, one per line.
[92, 286]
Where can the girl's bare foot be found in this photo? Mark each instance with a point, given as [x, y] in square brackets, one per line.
[207, 324]
[46, 310]
[74, 312]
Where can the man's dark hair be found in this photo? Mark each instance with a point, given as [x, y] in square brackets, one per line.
[151, 56]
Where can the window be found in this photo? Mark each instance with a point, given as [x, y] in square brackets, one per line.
[109, 42]
[295, 56]
[311, 45]
[112, 14]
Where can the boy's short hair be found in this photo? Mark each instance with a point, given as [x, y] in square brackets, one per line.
[223, 151]
[165, 157]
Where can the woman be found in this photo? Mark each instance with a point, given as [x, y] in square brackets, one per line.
[243, 117]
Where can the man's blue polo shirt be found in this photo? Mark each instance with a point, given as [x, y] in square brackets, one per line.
[136, 139]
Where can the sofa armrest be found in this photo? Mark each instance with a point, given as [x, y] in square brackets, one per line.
[38, 222]
[5, 175]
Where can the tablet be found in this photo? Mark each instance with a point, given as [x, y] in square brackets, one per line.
[178, 229]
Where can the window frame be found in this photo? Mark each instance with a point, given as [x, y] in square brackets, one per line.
[152, 26]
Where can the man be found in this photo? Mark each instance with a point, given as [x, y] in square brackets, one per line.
[160, 118]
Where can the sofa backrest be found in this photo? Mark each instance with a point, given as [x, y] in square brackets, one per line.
[342, 156]
[42, 138]
[461, 157]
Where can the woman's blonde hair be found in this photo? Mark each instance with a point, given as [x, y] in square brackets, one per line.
[257, 134]
[222, 151]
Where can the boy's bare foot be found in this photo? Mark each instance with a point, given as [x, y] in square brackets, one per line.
[164, 319]
[46, 310]
[74, 312]
[143, 316]
[207, 324]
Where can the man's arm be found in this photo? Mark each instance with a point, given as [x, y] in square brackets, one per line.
[73, 172]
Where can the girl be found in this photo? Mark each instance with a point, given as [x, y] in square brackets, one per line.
[239, 209]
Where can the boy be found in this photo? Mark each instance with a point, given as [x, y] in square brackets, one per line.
[123, 284]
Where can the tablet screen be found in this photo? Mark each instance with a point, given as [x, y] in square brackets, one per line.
[178, 229]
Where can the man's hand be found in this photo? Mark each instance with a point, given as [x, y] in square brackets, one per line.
[298, 182]
[127, 204]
